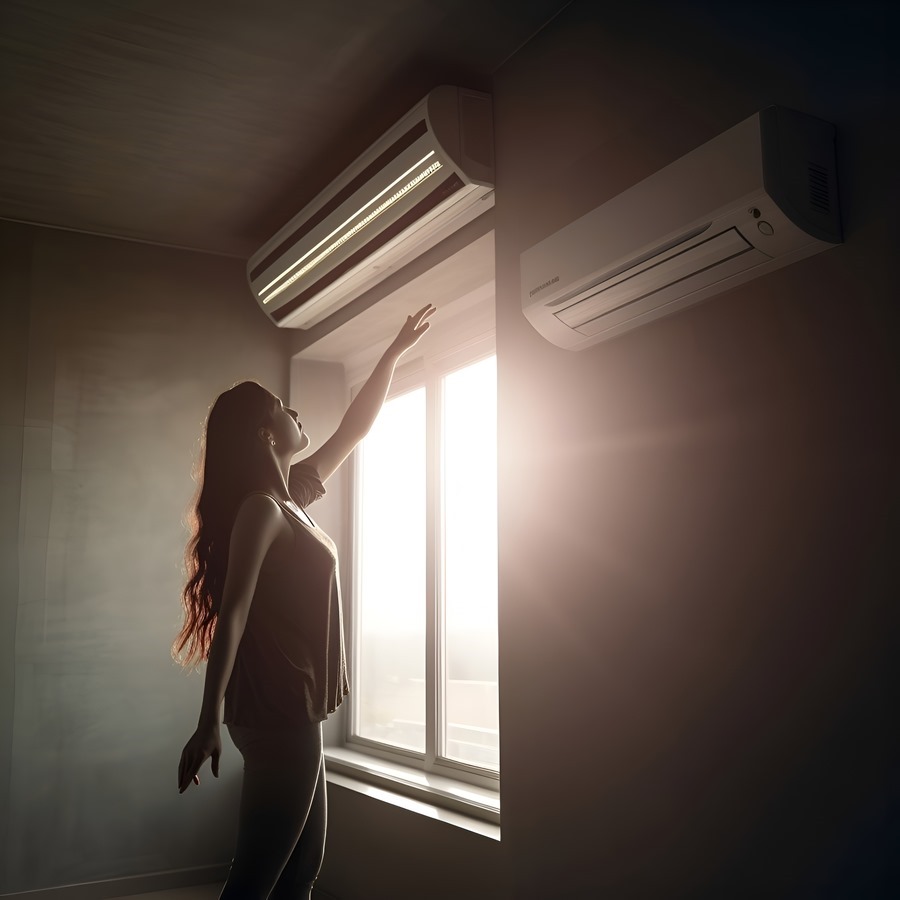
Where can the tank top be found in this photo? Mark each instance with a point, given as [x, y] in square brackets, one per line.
[290, 665]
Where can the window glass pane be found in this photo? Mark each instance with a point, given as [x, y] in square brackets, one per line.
[390, 677]
[469, 430]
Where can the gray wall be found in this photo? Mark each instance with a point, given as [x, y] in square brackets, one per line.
[115, 351]
[697, 520]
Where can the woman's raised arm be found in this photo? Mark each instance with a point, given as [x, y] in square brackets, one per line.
[365, 407]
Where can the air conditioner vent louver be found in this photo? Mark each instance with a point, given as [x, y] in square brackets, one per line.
[422, 180]
[326, 209]
[818, 188]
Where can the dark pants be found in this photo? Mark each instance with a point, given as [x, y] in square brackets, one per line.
[281, 829]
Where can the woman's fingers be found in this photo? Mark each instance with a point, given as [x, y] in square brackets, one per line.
[418, 317]
[182, 767]
[188, 777]
[425, 312]
[187, 772]
[203, 745]
[184, 778]
[417, 323]
[414, 327]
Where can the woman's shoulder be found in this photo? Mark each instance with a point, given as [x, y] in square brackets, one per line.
[258, 522]
[258, 507]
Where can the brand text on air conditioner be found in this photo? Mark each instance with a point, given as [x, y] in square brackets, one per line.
[541, 287]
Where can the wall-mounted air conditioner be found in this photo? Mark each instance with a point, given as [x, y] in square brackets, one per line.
[755, 198]
[425, 178]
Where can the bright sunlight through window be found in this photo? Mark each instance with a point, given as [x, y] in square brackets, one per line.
[390, 612]
[430, 689]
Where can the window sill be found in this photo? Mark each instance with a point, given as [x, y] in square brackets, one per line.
[456, 803]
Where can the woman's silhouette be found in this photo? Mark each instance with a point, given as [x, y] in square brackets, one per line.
[262, 607]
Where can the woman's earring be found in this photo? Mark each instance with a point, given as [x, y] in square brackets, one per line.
[272, 442]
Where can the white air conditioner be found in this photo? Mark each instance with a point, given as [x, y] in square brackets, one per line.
[755, 198]
[425, 178]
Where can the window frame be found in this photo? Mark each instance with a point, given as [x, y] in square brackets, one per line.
[428, 371]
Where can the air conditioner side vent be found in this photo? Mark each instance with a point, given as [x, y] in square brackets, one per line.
[818, 188]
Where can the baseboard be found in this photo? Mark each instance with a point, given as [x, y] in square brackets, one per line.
[319, 894]
[124, 887]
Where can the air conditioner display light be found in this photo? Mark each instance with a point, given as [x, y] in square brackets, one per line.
[351, 232]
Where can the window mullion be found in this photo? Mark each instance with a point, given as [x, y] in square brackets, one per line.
[432, 570]
[356, 489]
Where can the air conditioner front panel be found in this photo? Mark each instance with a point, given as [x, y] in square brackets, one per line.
[382, 200]
[380, 242]
[456, 204]
[700, 261]
[682, 288]
[414, 185]
[410, 129]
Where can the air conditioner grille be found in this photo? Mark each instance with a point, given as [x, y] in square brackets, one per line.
[392, 152]
[445, 189]
[818, 188]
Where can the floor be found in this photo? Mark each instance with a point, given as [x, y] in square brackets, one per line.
[200, 892]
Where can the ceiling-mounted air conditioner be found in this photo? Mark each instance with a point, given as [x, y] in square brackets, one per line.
[757, 197]
[425, 178]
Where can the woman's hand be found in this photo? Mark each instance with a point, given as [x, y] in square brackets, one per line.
[205, 743]
[414, 327]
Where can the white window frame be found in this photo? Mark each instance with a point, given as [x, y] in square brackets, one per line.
[468, 789]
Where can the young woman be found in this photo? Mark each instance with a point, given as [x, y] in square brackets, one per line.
[262, 607]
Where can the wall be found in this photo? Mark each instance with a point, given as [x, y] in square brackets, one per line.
[14, 254]
[112, 354]
[378, 851]
[698, 520]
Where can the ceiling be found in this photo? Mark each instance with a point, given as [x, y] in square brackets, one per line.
[207, 125]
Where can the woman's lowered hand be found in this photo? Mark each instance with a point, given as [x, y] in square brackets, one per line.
[205, 743]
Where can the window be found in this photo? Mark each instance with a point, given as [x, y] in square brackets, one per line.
[425, 572]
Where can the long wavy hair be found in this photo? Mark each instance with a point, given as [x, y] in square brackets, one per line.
[231, 467]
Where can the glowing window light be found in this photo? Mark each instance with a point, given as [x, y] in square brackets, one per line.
[386, 204]
[390, 625]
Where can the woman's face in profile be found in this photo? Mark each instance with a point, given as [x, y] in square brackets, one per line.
[287, 429]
